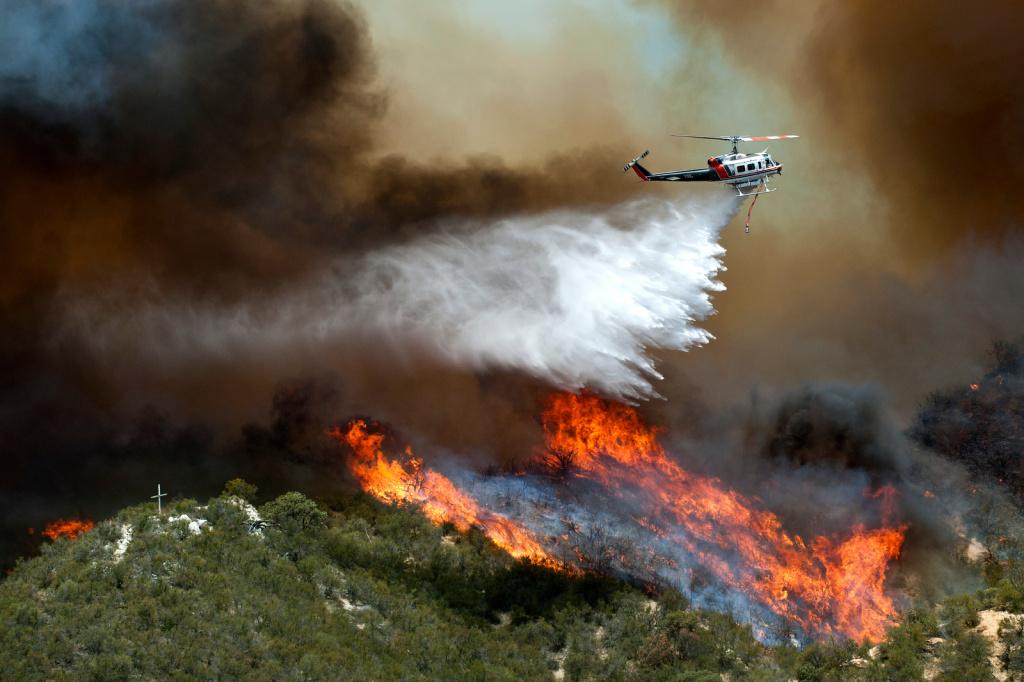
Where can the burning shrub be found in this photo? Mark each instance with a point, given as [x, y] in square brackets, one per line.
[661, 523]
[67, 528]
[981, 425]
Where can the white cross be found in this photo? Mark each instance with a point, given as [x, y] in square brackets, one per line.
[159, 507]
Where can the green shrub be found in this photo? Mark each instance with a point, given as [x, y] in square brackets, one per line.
[293, 513]
[239, 487]
[959, 613]
[1011, 635]
[965, 659]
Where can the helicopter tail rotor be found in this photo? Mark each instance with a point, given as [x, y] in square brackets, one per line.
[635, 165]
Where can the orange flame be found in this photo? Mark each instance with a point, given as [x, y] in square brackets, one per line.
[827, 588]
[66, 528]
[441, 501]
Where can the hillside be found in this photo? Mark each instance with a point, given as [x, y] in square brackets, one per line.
[981, 425]
[352, 589]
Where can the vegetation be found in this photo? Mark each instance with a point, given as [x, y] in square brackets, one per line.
[353, 589]
[982, 425]
[241, 489]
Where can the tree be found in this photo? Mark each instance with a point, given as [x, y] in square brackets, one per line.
[293, 513]
[239, 487]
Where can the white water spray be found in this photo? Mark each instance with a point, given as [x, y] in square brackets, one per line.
[577, 299]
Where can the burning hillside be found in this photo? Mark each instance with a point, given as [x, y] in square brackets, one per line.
[442, 502]
[66, 528]
[686, 528]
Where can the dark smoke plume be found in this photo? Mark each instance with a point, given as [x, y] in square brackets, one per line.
[818, 457]
[211, 152]
[220, 153]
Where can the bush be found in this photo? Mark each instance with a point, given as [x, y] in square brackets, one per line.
[294, 513]
[965, 659]
[958, 614]
[238, 487]
[1011, 635]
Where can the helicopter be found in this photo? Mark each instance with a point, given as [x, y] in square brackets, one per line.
[748, 174]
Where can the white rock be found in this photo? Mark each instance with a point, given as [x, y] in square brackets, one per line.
[123, 542]
[194, 526]
[247, 509]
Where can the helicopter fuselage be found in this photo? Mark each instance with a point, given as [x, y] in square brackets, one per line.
[737, 169]
[744, 170]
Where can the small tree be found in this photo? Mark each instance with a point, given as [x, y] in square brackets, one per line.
[239, 487]
[293, 513]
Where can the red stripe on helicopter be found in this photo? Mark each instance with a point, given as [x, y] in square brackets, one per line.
[636, 169]
[718, 168]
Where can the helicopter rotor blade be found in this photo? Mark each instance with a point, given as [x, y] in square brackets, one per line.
[739, 138]
[709, 137]
[767, 137]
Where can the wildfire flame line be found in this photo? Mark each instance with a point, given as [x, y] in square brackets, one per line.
[828, 586]
[441, 501]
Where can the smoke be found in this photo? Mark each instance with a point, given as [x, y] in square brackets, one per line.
[210, 156]
[910, 128]
[574, 299]
[815, 469]
[204, 201]
[886, 257]
[938, 147]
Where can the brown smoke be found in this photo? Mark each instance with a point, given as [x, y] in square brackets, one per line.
[888, 255]
[926, 98]
[211, 151]
[930, 99]
[233, 148]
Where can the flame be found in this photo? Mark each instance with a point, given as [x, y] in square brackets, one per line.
[398, 482]
[66, 528]
[827, 587]
[974, 387]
